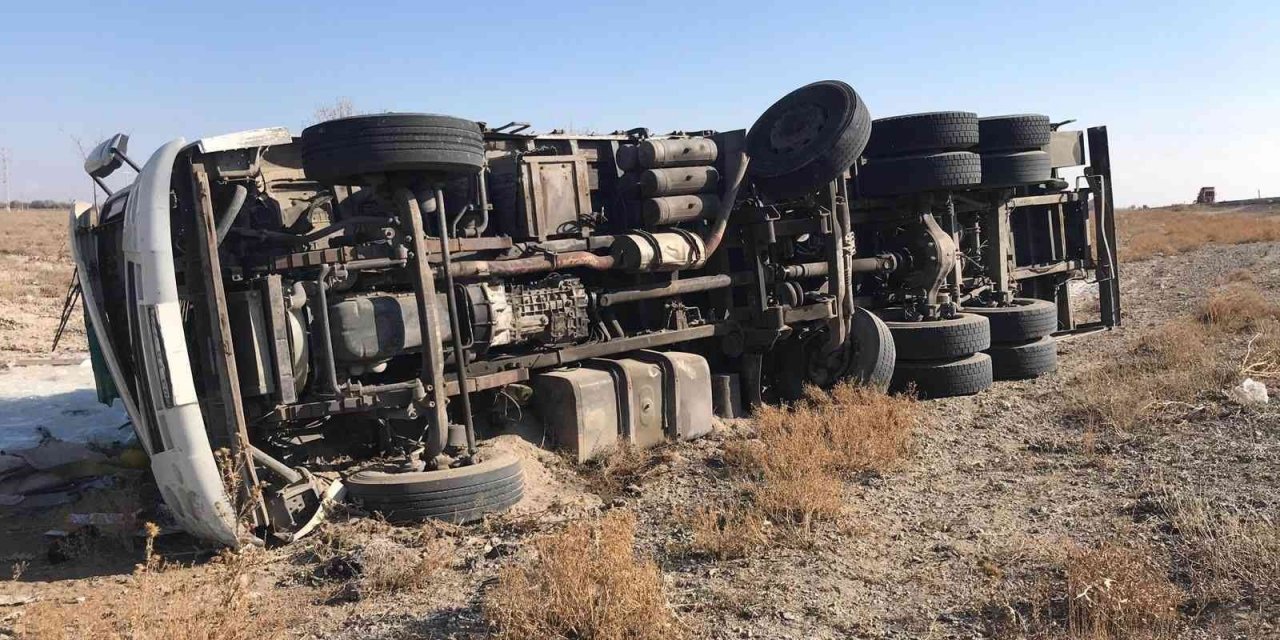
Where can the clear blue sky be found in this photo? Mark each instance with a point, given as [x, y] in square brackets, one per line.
[1190, 90]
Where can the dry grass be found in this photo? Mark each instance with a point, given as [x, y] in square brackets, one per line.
[724, 533]
[585, 582]
[1117, 592]
[1238, 307]
[41, 234]
[1145, 234]
[1163, 375]
[805, 450]
[217, 602]
[611, 474]
[1262, 354]
[1048, 588]
[367, 557]
[1229, 554]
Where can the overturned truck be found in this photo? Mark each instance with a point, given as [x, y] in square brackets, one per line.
[355, 310]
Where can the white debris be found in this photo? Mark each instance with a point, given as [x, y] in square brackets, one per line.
[1249, 393]
[57, 401]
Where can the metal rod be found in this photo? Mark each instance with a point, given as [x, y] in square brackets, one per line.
[459, 352]
[534, 264]
[228, 218]
[275, 466]
[326, 338]
[667, 289]
[101, 185]
[424, 289]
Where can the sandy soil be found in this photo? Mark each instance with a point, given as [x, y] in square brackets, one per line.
[921, 549]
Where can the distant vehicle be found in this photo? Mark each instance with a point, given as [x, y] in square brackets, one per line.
[357, 309]
[1207, 195]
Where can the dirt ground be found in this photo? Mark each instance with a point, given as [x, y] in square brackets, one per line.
[35, 271]
[994, 490]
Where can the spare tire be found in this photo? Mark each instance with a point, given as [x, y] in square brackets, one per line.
[1015, 169]
[341, 151]
[956, 337]
[807, 139]
[914, 174]
[945, 378]
[1022, 132]
[1024, 319]
[922, 132]
[458, 495]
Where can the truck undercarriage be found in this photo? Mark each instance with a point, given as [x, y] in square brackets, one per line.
[371, 300]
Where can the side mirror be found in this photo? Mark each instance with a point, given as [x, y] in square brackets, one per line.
[107, 156]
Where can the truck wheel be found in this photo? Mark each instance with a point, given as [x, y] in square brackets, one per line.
[1018, 361]
[922, 133]
[807, 139]
[1015, 169]
[868, 358]
[1022, 132]
[341, 151]
[945, 378]
[874, 352]
[957, 337]
[1025, 319]
[458, 495]
[913, 174]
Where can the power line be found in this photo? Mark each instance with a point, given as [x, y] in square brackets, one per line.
[4, 175]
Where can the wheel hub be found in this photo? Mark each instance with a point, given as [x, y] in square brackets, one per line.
[797, 128]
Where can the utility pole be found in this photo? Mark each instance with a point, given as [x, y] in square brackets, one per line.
[4, 175]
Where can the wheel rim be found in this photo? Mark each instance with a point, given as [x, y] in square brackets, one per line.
[797, 128]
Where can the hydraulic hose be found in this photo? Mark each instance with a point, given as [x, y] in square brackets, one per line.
[716, 233]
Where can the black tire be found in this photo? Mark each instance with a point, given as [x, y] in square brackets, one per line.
[914, 174]
[867, 357]
[1026, 319]
[460, 495]
[945, 378]
[922, 133]
[1015, 169]
[807, 139]
[1025, 360]
[963, 335]
[874, 352]
[1021, 132]
[341, 151]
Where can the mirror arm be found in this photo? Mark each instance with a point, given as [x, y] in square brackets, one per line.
[102, 185]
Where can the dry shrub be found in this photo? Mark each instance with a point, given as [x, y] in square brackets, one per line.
[1262, 356]
[627, 464]
[804, 450]
[215, 602]
[1237, 307]
[867, 429]
[1025, 594]
[1119, 592]
[1228, 554]
[1147, 233]
[725, 534]
[1164, 372]
[367, 557]
[585, 582]
[1241, 276]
